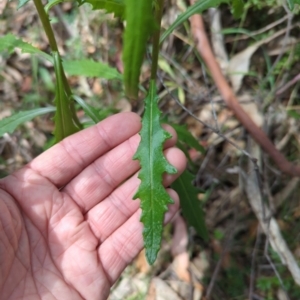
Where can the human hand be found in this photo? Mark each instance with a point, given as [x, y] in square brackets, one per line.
[68, 224]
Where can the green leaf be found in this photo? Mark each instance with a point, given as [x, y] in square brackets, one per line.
[22, 3]
[9, 124]
[117, 7]
[186, 137]
[83, 67]
[64, 124]
[9, 42]
[191, 207]
[50, 4]
[238, 8]
[290, 4]
[88, 109]
[90, 68]
[151, 192]
[139, 25]
[184, 149]
[294, 114]
[197, 7]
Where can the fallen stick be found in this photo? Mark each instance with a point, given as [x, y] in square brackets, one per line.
[267, 222]
[204, 49]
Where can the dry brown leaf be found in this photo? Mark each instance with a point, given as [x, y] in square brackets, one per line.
[282, 45]
[2, 5]
[282, 295]
[206, 114]
[239, 64]
[198, 291]
[200, 265]
[217, 39]
[129, 286]
[183, 289]
[180, 266]
[97, 87]
[26, 84]
[194, 127]
[246, 101]
[141, 263]
[123, 105]
[160, 290]
[4, 112]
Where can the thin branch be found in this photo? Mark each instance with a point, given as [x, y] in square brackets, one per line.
[254, 255]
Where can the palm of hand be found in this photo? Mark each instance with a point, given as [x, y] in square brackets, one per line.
[68, 225]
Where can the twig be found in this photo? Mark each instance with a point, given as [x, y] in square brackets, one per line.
[253, 159]
[285, 39]
[287, 85]
[225, 90]
[254, 254]
[257, 32]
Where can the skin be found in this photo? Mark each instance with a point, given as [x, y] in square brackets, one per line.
[68, 224]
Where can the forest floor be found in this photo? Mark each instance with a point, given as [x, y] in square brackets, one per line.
[260, 57]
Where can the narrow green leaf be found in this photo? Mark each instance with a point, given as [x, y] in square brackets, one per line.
[290, 4]
[198, 7]
[186, 137]
[190, 205]
[64, 124]
[50, 4]
[9, 42]
[294, 114]
[88, 109]
[90, 68]
[9, 124]
[139, 25]
[117, 7]
[21, 3]
[151, 192]
[238, 8]
[83, 67]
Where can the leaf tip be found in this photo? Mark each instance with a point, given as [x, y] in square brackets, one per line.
[151, 256]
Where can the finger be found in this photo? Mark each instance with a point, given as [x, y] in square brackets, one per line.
[68, 158]
[117, 208]
[125, 243]
[106, 173]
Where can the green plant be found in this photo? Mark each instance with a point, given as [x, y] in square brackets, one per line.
[143, 21]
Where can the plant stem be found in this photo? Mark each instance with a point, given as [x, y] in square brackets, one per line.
[46, 24]
[53, 45]
[156, 36]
